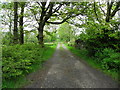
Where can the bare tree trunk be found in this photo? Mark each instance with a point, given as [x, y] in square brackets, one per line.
[21, 23]
[40, 36]
[15, 31]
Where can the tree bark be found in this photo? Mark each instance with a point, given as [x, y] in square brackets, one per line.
[15, 31]
[109, 6]
[21, 23]
[41, 25]
[40, 35]
[110, 14]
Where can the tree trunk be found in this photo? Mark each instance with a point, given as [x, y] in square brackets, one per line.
[108, 14]
[15, 31]
[10, 25]
[40, 36]
[21, 24]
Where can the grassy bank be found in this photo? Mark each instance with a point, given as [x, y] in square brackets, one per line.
[20, 60]
[93, 62]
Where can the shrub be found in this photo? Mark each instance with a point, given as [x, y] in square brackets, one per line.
[112, 59]
[18, 59]
[109, 58]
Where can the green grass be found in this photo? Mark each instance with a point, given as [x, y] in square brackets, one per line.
[92, 62]
[32, 52]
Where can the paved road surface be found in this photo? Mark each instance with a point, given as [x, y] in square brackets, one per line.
[64, 70]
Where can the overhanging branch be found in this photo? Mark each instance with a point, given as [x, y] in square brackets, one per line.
[68, 17]
[96, 12]
[117, 8]
[58, 22]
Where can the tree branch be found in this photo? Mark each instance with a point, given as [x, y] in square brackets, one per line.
[116, 9]
[43, 12]
[56, 9]
[35, 26]
[64, 19]
[96, 12]
[49, 13]
[47, 8]
[33, 14]
[102, 11]
[39, 4]
[109, 7]
[68, 17]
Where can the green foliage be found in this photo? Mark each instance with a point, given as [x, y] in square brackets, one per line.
[7, 5]
[65, 32]
[30, 36]
[19, 60]
[109, 59]
[7, 38]
[99, 36]
[50, 36]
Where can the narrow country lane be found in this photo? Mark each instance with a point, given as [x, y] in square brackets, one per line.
[64, 70]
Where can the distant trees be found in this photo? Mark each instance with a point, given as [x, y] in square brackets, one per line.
[12, 18]
[65, 32]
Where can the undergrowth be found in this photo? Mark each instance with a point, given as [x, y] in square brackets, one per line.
[20, 60]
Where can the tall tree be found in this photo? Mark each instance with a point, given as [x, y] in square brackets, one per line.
[62, 11]
[22, 6]
[15, 31]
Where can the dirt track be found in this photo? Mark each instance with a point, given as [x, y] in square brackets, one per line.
[64, 70]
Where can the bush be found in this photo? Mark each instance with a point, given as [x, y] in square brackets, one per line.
[112, 59]
[17, 60]
[109, 58]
